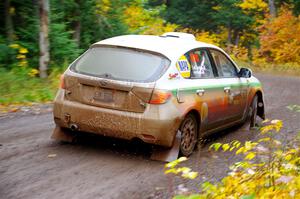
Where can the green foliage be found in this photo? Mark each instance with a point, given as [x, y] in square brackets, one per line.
[192, 14]
[7, 55]
[18, 86]
[63, 49]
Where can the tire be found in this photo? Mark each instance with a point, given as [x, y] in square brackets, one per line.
[189, 134]
[253, 112]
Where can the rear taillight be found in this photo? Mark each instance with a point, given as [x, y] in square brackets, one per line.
[62, 82]
[160, 97]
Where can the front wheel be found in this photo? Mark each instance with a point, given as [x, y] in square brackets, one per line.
[189, 131]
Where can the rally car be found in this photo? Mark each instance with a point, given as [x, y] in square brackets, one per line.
[152, 87]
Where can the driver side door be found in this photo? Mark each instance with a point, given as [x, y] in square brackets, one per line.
[234, 87]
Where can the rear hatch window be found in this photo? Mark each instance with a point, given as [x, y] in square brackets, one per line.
[121, 63]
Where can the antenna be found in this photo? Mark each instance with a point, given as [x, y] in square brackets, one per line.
[180, 35]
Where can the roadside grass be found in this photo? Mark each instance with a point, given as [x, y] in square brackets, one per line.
[18, 86]
[288, 69]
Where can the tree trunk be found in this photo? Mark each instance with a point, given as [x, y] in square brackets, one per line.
[229, 39]
[44, 38]
[77, 31]
[272, 8]
[236, 37]
[77, 23]
[168, 3]
[9, 29]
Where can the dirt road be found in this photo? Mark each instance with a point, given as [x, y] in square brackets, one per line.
[99, 167]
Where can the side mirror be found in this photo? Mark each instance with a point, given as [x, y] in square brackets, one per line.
[245, 72]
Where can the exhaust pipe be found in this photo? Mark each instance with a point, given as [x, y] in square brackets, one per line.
[74, 127]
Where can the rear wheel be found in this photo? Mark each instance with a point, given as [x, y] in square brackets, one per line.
[253, 112]
[189, 131]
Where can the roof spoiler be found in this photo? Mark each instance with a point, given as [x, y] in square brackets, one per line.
[180, 35]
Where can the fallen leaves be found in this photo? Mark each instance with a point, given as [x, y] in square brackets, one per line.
[52, 155]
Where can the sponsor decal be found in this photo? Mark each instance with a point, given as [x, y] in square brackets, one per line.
[173, 76]
[184, 67]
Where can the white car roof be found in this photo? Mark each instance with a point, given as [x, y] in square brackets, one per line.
[171, 47]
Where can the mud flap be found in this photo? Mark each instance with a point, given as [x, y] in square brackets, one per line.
[62, 135]
[167, 154]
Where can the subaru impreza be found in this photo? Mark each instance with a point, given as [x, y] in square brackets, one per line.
[151, 87]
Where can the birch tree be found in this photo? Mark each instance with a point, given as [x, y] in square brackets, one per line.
[8, 21]
[44, 38]
[272, 8]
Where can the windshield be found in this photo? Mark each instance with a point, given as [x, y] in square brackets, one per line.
[121, 64]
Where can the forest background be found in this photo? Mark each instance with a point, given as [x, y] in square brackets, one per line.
[40, 38]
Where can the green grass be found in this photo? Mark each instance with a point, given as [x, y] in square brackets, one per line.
[17, 87]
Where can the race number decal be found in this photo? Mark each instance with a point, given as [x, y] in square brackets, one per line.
[184, 67]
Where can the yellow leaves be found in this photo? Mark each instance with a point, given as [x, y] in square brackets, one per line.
[184, 171]
[233, 145]
[33, 72]
[225, 147]
[250, 156]
[275, 125]
[23, 63]
[23, 50]
[273, 174]
[12, 10]
[240, 150]
[14, 46]
[239, 52]
[190, 175]
[19, 56]
[279, 38]
[288, 157]
[291, 151]
[257, 5]
[236, 144]
[217, 8]
[266, 139]
[103, 7]
[247, 147]
[215, 146]
[145, 21]
[175, 162]
[207, 37]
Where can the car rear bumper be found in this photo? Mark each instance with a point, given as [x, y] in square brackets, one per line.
[157, 125]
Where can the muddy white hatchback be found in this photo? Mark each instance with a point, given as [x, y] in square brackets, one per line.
[151, 87]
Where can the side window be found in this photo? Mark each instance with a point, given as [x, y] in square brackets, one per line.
[195, 64]
[224, 66]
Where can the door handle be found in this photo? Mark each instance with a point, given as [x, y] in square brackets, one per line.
[227, 89]
[200, 92]
[179, 99]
